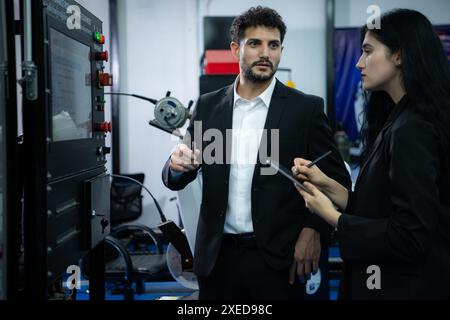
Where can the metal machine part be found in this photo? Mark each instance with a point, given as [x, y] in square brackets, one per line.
[170, 113]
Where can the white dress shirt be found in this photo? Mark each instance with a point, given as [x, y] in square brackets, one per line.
[249, 118]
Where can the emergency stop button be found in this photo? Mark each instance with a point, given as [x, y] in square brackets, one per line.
[104, 127]
[102, 56]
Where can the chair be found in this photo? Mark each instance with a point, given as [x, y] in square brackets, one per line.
[126, 199]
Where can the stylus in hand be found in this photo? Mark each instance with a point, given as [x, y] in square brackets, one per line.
[318, 159]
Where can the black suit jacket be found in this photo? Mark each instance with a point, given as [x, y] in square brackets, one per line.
[399, 216]
[278, 211]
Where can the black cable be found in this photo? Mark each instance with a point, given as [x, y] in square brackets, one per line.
[133, 95]
[161, 214]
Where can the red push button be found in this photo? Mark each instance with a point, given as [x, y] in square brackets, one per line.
[104, 127]
[102, 56]
[105, 79]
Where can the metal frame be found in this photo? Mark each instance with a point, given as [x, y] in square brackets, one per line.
[14, 162]
[115, 68]
[35, 147]
[330, 14]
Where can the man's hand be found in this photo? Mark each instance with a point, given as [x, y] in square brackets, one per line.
[306, 255]
[184, 159]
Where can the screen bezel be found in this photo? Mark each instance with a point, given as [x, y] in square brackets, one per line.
[61, 154]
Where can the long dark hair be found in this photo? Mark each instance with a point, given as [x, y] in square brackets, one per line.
[425, 74]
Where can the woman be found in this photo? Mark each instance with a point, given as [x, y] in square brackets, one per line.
[398, 217]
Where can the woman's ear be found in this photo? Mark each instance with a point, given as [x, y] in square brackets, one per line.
[397, 58]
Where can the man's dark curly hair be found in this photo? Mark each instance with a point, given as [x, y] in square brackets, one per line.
[259, 16]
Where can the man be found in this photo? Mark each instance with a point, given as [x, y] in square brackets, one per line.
[254, 233]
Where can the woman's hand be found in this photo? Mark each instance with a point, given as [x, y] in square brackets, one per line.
[313, 174]
[331, 188]
[319, 204]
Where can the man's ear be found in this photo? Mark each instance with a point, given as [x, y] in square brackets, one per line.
[235, 50]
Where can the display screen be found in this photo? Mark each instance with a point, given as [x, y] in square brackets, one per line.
[71, 88]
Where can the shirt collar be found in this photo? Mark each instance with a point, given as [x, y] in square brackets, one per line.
[265, 96]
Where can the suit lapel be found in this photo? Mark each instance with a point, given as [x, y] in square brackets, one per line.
[276, 109]
[378, 142]
[375, 148]
[225, 107]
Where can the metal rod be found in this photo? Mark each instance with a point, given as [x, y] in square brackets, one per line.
[29, 68]
[3, 36]
[28, 34]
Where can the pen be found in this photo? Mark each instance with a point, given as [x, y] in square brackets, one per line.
[318, 159]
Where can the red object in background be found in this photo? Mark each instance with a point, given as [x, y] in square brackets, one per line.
[220, 62]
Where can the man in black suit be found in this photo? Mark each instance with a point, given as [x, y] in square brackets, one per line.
[254, 233]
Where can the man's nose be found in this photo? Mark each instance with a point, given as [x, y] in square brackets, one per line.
[264, 52]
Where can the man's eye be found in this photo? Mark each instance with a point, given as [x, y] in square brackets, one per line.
[274, 45]
[253, 44]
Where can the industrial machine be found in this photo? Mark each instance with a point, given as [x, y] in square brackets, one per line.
[66, 185]
[66, 193]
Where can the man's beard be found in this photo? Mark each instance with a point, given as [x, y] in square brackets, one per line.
[256, 78]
